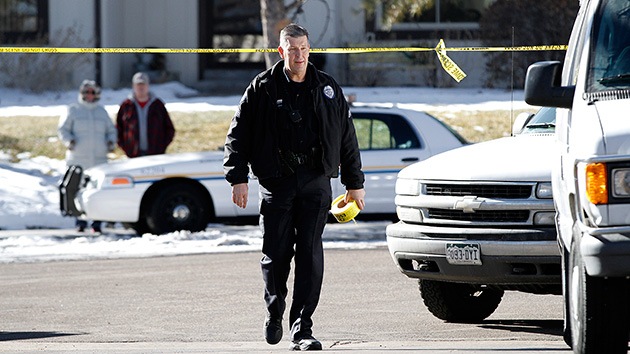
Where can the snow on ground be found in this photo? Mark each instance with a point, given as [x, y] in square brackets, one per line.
[56, 245]
[183, 99]
[34, 229]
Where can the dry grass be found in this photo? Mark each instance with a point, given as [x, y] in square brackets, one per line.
[198, 131]
[37, 135]
[477, 126]
[202, 131]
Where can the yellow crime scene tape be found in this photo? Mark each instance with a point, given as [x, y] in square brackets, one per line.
[447, 63]
[343, 211]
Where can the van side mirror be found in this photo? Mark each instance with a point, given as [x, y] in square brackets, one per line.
[542, 86]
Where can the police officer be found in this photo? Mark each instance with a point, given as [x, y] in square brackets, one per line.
[294, 128]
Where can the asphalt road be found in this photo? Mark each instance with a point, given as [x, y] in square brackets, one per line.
[213, 303]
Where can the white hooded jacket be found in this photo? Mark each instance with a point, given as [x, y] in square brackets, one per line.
[88, 133]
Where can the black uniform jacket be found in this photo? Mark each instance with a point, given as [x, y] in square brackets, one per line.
[252, 138]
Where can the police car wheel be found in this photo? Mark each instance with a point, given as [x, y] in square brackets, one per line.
[177, 207]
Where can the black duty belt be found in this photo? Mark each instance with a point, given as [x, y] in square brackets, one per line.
[291, 160]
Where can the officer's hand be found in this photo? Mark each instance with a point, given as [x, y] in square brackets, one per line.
[358, 195]
[239, 194]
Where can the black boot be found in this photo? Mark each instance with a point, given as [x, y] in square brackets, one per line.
[308, 343]
[273, 330]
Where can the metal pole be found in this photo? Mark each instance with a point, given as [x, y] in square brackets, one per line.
[97, 42]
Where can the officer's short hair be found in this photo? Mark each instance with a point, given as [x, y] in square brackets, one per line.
[292, 30]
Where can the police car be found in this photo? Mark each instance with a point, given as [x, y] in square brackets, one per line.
[164, 193]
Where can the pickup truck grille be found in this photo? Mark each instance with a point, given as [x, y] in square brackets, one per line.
[480, 215]
[481, 190]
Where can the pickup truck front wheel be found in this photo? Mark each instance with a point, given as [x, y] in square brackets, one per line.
[459, 303]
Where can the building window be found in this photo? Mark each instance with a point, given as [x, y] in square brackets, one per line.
[438, 16]
[232, 24]
[23, 21]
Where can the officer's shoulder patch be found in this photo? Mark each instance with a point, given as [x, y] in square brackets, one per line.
[329, 92]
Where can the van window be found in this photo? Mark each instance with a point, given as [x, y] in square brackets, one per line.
[609, 66]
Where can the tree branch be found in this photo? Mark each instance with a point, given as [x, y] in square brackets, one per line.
[294, 5]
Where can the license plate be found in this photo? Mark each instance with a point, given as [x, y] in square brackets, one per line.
[463, 253]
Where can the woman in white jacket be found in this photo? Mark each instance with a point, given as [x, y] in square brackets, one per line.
[88, 133]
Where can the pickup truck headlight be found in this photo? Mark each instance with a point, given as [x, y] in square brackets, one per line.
[407, 186]
[543, 190]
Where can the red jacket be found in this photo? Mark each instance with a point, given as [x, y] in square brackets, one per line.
[159, 125]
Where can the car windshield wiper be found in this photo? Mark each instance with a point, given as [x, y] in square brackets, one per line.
[541, 125]
[615, 79]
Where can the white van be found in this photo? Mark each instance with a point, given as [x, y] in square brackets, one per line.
[591, 174]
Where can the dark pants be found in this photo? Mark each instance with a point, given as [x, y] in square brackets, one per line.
[293, 213]
[83, 223]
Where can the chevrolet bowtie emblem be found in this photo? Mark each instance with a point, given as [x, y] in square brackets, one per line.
[468, 204]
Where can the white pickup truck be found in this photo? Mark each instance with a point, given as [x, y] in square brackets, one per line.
[478, 220]
[591, 173]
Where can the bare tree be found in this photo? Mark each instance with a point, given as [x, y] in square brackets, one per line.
[523, 23]
[39, 72]
[274, 15]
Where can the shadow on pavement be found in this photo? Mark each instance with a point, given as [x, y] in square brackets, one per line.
[9, 336]
[550, 327]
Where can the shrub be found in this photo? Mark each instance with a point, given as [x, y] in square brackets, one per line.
[39, 72]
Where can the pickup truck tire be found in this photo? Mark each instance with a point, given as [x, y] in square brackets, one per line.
[459, 303]
[177, 207]
[598, 309]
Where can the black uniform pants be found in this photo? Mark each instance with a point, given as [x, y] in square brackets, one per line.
[293, 213]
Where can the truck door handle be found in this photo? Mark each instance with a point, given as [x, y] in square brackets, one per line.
[410, 159]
